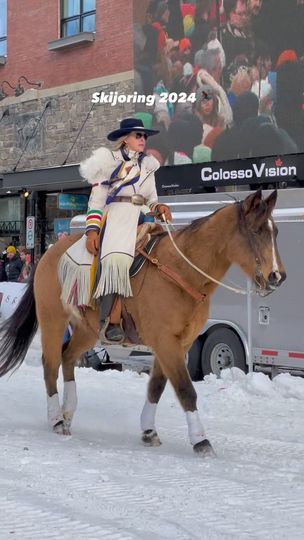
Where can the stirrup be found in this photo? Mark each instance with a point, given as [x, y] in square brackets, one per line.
[102, 334]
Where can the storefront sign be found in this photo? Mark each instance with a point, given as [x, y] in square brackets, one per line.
[69, 201]
[61, 227]
[195, 178]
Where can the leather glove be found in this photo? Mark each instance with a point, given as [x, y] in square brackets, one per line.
[163, 209]
[92, 243]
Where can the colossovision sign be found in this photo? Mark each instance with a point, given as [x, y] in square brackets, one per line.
[255, 171]
[200, 177]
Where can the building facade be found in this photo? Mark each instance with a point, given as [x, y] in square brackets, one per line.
[56, 55]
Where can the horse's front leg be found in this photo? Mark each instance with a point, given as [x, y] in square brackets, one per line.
[156, 387]
[172, 360]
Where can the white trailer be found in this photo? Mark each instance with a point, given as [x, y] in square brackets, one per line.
[249, 332]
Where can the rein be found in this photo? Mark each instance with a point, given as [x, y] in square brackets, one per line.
[220, 283]
[173, 276]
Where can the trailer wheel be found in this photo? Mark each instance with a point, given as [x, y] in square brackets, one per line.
[222, 349]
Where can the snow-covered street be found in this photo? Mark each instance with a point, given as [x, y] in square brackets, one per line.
[103, 484]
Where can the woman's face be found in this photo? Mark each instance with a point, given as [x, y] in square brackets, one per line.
[206, 107]
[136, 141]
[165, 16]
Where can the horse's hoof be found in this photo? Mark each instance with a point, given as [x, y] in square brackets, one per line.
[150, 438]
[204, 448]
[62, 429]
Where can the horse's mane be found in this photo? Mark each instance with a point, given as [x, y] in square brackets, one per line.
[196, 224]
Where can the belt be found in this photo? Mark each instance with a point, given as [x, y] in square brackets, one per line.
[136, 199]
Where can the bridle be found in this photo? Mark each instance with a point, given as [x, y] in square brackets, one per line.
[259, 278]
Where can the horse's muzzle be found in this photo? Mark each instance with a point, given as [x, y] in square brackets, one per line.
[275, 279]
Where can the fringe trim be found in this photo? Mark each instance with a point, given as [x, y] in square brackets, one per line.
[115, 277]
[75, 281]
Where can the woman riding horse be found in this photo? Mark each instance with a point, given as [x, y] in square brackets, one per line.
[123, 186]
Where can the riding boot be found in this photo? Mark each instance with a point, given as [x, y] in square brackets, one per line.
[113, 332]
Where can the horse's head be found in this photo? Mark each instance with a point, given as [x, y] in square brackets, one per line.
[256, 250]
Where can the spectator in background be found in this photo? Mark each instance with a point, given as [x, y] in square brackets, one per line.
[187, 84]
[212, 106]
[26, 264]
[227, 145]
[235, 41]
[289, 107]
[280, 25]
[13, 264]
[175, 26]
[185, 133]
[254, 7]
[264, 80]
[210, 60]
[158, 16]
[2, 268]
[185, 51]
[248, 133]
[268, 140]
[241, 82]
[265, 139]
[202, 26]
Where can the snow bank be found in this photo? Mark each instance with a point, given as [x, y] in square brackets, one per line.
[237, 384]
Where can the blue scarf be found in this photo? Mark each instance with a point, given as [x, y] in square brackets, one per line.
[113, 177]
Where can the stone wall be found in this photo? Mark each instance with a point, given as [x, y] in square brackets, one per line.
[59, 124]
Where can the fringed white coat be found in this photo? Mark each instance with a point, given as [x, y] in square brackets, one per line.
[119, 234]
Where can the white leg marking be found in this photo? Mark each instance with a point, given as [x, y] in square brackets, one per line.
[69, 398]
[147, 417]
[195, 428]
[54, 412]
[275, 266]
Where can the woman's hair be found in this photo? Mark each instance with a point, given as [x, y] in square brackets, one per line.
[22, 249]
[120, 143]
[213, 118]
[201, 6]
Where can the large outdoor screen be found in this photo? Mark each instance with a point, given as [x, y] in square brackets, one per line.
[220, 79]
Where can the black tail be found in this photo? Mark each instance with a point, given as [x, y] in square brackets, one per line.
[18, 331]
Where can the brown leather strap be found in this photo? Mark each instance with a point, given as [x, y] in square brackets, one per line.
[115, 315]
[178, 280]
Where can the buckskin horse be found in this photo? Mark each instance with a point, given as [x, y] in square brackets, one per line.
[167, 317]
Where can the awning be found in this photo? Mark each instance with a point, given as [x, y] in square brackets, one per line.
[176, 179]
[47, 179]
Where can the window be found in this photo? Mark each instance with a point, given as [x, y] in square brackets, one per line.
[77, 16]
[3, 18]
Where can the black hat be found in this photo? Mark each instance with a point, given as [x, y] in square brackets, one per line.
[127, 126]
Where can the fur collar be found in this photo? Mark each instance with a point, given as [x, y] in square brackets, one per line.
[100, 165]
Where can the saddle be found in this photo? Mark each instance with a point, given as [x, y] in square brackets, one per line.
[145, 245]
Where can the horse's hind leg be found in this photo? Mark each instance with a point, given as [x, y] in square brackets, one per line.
[156, 387]
[172, 359]
[83, 339]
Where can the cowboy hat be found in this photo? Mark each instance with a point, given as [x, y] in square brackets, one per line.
[127, 126]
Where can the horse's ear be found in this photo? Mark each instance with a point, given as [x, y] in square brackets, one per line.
[252, 202]
[271, 201]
